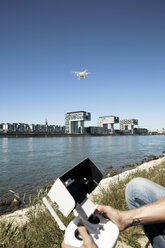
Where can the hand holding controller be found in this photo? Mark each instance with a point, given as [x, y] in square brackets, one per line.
[70, 192]
[87, 240]
[103, 232]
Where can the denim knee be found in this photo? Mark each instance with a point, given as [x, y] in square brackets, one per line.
[133, 189]
[141, 191]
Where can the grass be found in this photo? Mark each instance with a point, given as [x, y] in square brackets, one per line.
[42, 232]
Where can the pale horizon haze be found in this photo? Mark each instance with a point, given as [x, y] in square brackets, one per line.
[122, 44]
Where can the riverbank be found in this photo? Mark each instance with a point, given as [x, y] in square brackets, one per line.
[17, 201]
[103, 185]
[28, 164]
[21, 217]
[31, 135]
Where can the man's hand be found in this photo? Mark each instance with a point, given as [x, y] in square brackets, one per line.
[120, 218]
[87, 240]
[147, 214]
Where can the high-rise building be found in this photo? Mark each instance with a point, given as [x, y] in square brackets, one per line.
[74, 121]
[104, 121]
[125, 123]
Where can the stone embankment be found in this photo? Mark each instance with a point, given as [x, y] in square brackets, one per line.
[111, 172]
[145, 166]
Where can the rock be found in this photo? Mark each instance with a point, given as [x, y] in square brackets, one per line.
[109, 167]
[147, 159]
[128, 165]
[111, 173]
[15, 203]
[5, 203]
[139, 163]
[152, 157]
[10, 205]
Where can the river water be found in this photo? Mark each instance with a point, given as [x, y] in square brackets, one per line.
[27, 164]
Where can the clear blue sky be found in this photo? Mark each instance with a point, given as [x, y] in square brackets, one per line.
[121, 42]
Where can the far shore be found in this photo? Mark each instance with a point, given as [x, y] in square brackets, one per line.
[40, 135]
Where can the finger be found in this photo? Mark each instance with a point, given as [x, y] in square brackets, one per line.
[100, 209]
[104, 210]
[84, 234]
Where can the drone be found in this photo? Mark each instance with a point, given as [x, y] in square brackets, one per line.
[81, 74]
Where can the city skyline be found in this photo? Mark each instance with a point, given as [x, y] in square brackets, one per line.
[117, 124]
[122, 44]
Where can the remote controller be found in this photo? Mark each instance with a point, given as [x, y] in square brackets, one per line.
[71, 193]
[103, 231]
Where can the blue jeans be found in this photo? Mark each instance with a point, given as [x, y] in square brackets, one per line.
[139, 192]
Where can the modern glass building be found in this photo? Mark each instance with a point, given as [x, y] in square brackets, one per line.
[104, 121]
[126, 123]
[74, 121]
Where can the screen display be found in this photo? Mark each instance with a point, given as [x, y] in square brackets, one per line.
[77, 191]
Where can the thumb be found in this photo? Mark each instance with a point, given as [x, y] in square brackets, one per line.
[84, 234]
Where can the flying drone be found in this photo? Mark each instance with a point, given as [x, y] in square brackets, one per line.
[81, 74]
